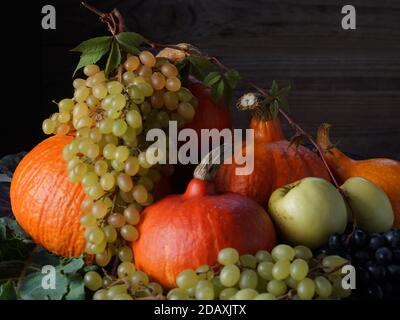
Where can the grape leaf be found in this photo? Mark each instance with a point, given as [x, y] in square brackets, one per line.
[232, 77]
[76, 288]
[7, 291]
[211, 79]
[114, 58]
[200, 62]
[94, 45]
[73, 266]
[10, 230]
[217, 91]
[130, 41]
[32, 288]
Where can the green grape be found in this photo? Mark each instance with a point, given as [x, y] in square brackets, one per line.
[81, 94]
[163, 119]
[92, 280]
[154, 155]
[73, 146]
[135, 94]
[146, 182]
[54, 117]
[99, 91]
[128, 77]
[186, 111]
[95, 235]
[228, 256]
[187, 279]
[80, 110]
[100, 167]
[86, 204]
[132, 166]
[149, 201]
[132, 215]
[116, 290]
[205, 272]
[125, 254]
[88, 220]
[109, 151]
[157, 99]
[291, 283]
[119, 127]
[121, 153]
[143, 160]
[96, 191]
[123, 296]
[281, 269]
[134, 119]
[184, 94]
[282, 252]
[103, 258]
[116, 220]
[229, 275]
[93, 151]
[126, 196]
[264, 270]
[139, 278]
[110, 138]
[337, 288]
[67, 155]
[263, 255]
[145, 108]
[100, 295]
[147, 58]
[138, 80]
[48, 126]
[303, 252]
[118, 101]
[323, 287]
[248, 261]
[91, 70]
[63, 129]
[73, 162]
[204, 293]
[145, 72]
[110, 233]
[106, 125]
[155, 288]
[107, 181]
[329, 263]
[80, 169]
[246, 294]
[66, 105]
[107, 102]
[64, 117]
[169, 70]
[114, 87]
[177, 294]
[117, 166]
[157, 80]
[262, 285]
[171, 100]
[143, 172]
[248, 279]
[218, 287]
[92, 102]
[84, 144]
[145, 89]
[99, 209]
[85, 121]
[227, 293]
[126, 269]
[95, 135]
[140, 193]
[306, 289]
[78, 83]
[264, 296]
[277, 287]
[129, 233]
[299, 269]
[132, 63]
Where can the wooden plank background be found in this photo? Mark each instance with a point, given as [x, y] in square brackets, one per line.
[348, 78]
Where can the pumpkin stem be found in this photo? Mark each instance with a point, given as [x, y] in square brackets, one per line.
[256, 103]
[323, 136]
[209, 165]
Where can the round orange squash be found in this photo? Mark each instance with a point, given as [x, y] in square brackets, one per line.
[45, 203]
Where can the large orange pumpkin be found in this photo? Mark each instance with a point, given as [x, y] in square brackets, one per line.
[188, 230]
[45, 203]
[383, 172]
[276, 164]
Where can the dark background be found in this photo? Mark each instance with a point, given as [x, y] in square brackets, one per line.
[350, 78]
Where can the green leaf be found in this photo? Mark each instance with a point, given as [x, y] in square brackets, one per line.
[73, 266]
[32, 288]
[76, 288]
[99, 44]
[228, 92]
[7, 291]
[196, 72]
[274, 89]
[130, 41]
[92, 50]
[200, 62]
[232, 77]
[114, 59]
[10, 230]
[217, 91]
[274, 109]
[211, 79]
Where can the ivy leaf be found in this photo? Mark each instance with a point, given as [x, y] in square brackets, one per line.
[196, 72]
[130, 41]
[73, 266]
[217, 91]
[211, 79]
[200, 62]
[114, 58]
[76, 288]
[7, 291]
[232, 77]
[92, 50]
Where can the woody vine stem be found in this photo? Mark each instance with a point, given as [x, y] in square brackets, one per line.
[112, 26]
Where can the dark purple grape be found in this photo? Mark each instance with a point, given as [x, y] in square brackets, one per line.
[383, 256]
[361, 257]
[392, 238]
[335, 242]
[376, 271]
[363, 276]
[322, 252]
[374, 291]
[359, 239]
[375, 242]
[387, 289]
[394, 271]
[396, 255]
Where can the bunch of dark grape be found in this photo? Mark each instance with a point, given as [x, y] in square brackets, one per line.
[376, 258]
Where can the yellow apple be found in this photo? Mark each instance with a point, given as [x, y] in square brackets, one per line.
[368, 204]
[308, 211]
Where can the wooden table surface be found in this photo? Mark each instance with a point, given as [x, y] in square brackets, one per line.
[350, 78]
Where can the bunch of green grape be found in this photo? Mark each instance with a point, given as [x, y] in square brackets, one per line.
[109, 154]
[285, 273]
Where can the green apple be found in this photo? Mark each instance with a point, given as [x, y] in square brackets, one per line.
[368, 204]
[308, 211]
